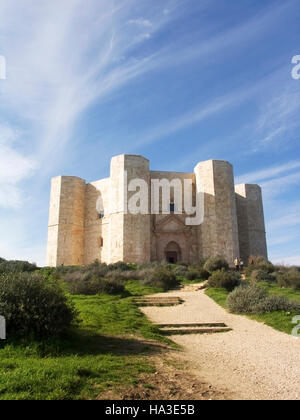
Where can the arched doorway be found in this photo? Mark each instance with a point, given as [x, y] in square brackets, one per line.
[173, 253]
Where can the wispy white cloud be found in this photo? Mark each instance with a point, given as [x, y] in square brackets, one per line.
[14, 167]
[267, 173]
[288, 260]
[289, 219]
[279, 115]
[59, 64]
[141, 22]
[280, 185]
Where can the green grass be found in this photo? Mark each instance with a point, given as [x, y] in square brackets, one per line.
[136, 289]
[183, 280]
[104, 351]
[281, 321]
[218, 295]
[279, 291]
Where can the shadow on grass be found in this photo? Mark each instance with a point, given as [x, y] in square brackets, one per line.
[86, 343]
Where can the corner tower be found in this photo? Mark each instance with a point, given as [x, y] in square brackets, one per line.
[218, 234]
[66, 221]
[129, 233]
[251, 222]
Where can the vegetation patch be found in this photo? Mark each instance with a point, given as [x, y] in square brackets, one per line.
[106, 350]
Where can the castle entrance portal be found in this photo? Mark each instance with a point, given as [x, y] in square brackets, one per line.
[173, 253]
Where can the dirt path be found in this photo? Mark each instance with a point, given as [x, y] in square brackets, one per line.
[253, 361]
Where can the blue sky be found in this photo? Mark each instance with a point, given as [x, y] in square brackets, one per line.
[178, 81]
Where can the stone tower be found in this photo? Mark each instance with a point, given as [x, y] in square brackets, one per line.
[90, 221]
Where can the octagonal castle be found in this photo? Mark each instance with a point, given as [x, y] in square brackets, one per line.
[88, 221]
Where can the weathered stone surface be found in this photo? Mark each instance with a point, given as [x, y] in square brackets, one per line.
[251, 222]
[88, 221]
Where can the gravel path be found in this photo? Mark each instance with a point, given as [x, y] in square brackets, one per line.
[251, 362]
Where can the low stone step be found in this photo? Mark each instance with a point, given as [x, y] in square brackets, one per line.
[157, 297]
[195, 330]
[193, 325]
[157, 301]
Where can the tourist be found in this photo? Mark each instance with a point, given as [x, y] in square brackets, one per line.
[241, 265]
[237, 264]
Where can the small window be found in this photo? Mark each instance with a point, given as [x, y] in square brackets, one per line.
[172, 208]
[101, 242]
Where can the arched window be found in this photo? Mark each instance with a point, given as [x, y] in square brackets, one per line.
[172, 207]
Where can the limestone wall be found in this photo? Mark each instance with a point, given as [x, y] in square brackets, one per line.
[66, 222]
[96, 231]
[136, 233]
[251, 223]
[233, 218]
[218, 235]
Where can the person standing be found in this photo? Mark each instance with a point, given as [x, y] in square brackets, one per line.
[237, 264]
[241, 265]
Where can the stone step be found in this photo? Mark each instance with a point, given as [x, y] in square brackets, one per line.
[158, 301]
[194, 330]
[194, 324]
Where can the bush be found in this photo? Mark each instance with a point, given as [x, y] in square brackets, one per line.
[86, 283]
[120, 266]
[180, 270]
[160, 277]
[197, 274]
[147, 266]
[224, 279]
[259, 263]
[261, 276]
[34, 307]
[16, 267]
[290, 279]
[245, 297]
[215, 264]
[112, 287]
[252, 299]
[123, 275]
[275, 303]
[97, 269]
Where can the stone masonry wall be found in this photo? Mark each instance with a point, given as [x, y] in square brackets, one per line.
[251, 222]
[233, 220]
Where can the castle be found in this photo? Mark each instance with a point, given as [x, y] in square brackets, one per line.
[88, 221]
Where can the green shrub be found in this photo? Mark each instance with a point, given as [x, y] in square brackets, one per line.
[47, 272]
[215, 264]
[224, 279]
[86, 283]
[275, 303]
[16, 267]
[160, 277]
[34, 307]
[149, 265]
[123, 275]
[261, 276]
[112, 287]
[259, 263]
[253, 299]
[201, 262]
[245, 297]
[180, 270]
[120, 266]
[197, 274]
[290, 279]
[97, 269]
